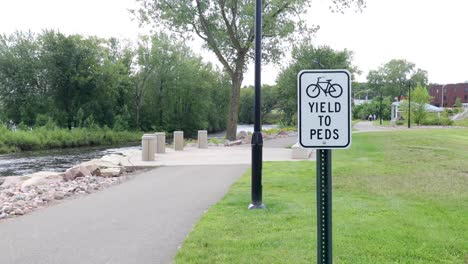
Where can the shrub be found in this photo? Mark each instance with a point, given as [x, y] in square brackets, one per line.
[90, 123]
[120, 124]
[443, 121]
[22, 126]
[43, 138]
[41, 120]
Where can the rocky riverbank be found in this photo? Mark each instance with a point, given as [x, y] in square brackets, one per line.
[20, 195]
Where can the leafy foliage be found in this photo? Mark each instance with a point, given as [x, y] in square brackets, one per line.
[48, 137]
[227, 29]
[88, 82]
[392, 79]
[373, 108]
[269, 102]
[307, 56]
[420, 97]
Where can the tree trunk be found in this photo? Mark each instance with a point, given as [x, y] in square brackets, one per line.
[138, 107]
[231, 133]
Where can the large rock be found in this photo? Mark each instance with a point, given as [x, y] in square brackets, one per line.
[111, 172]
[242, 135]
[59, 195]
[41, 178]
[15, 181]
[18, 211]
[266, 136]
[283, 134]
[233, 143]
[93, 169]
[75, 172]
[101, 164]
[115, 159]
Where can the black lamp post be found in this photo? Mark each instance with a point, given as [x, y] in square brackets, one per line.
[257, 139]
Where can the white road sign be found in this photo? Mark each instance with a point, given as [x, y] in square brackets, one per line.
[324, 100]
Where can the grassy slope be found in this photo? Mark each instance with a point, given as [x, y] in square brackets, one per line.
[462, 122]
[398, 198]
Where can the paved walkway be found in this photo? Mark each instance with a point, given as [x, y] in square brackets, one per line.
[141, 221]
[273, 150]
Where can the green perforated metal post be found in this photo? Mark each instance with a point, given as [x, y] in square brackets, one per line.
[324, 207]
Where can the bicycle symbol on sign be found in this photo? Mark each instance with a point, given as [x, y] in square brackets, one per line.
[335, 90]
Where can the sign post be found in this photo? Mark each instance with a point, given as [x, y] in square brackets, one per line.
[324, 101]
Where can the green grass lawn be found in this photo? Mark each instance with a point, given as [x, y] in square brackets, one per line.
[463, 122]
[399, 197]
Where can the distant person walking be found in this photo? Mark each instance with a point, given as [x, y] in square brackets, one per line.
[375, 117]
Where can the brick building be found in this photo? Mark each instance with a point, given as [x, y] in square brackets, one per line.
[451, 92]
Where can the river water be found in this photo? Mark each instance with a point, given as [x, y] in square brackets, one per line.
[61, 159]
[51, 160]
[241, 127]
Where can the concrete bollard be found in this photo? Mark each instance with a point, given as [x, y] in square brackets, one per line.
[160, 142]
[148, 147]
[178, 140]
[202, 139]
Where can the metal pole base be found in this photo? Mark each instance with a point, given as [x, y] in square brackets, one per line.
[257, 152]
[256, 206]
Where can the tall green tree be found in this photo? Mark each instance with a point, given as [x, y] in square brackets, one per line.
[246, 108]
[78, 81]
[395, 76]
[72, 64]
[227, 29]
[419, 98]
[268, 103]
[307, 56]
[115, 84]
[376, 82]
[23, 87]
[180, 90]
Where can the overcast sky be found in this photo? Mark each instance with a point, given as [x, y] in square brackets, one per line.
[432, 34]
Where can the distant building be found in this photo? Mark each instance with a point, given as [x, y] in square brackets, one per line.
[397, 114]
[451, 92]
